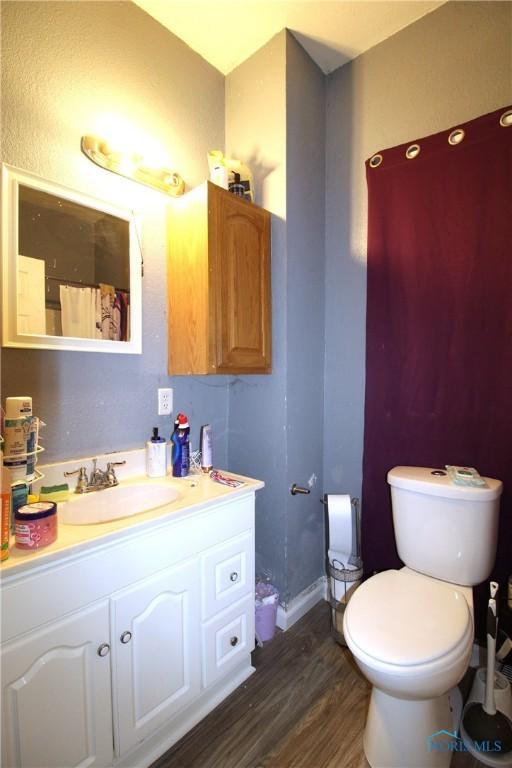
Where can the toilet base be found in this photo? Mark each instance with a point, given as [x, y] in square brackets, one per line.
[399, 733]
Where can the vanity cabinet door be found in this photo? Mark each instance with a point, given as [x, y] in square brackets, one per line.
[227, 639]
[227, 573]
[56, 694]
[156, 652]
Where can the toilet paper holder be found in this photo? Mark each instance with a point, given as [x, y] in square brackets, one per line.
[295, 489]
[343, 578]
[356, 511]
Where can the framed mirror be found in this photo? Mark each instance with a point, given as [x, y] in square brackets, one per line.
[72, 269]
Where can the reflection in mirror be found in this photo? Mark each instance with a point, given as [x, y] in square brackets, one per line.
[72, 266]
[73, 269]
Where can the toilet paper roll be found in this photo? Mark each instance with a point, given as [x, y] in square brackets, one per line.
[340, 560]
[339, 512]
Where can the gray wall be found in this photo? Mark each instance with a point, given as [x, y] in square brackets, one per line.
[255, 91]
[305, 198]
[100, 67]
[450, 66]
[275, 114]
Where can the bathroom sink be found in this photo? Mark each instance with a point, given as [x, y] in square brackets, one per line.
[114, 503]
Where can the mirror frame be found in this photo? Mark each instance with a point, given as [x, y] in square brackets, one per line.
[12, 178]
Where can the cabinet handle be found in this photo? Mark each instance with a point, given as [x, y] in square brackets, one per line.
[126, 637]
[234, 576]
[103, 649]
[234, 641]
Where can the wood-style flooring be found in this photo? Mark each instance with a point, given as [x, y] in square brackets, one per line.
[304, 707]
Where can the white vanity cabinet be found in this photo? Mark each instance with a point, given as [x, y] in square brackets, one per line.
[56, 707]
[111, 654]
[156, 651]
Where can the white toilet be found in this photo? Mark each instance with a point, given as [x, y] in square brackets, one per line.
[411, 630]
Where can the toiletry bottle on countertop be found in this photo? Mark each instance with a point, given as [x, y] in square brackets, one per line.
[156, 456]
[206, 448]
[5, 501]
[18, 420]
[180, 446]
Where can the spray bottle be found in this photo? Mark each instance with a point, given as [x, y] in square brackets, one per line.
[180, 446]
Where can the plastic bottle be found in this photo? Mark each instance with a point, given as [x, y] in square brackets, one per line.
[236, 187]
[180, 446]
[18, 420]
[206, 448]
[156, 456]
[5, 501]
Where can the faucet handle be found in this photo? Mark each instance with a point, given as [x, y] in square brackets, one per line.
[83, 480]
[81, 471]
[111, 473]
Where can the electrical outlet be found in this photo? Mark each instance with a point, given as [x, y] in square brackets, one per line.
[164, 402]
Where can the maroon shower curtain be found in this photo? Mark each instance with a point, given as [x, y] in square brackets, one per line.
[439, 321]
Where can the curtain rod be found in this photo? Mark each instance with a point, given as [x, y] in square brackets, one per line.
[79, 284]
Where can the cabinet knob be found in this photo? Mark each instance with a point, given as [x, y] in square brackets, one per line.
[234, 641]
[126, 637]
[234, 576]
[103, 649]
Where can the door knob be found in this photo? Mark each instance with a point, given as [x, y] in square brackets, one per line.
[103, 649]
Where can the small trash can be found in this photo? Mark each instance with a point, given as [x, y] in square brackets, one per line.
[267, 600]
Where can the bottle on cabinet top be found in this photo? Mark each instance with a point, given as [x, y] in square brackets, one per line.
[236, 187]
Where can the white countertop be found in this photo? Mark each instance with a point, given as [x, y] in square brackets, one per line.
[195, 492]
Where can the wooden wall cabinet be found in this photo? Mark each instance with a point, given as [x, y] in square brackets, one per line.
[219, 299]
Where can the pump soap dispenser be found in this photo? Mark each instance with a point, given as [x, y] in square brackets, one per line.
[156, 456]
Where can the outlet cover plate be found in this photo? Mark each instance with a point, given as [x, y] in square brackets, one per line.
[164, 402]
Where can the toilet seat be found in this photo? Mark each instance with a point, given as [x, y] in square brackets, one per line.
[400, 620]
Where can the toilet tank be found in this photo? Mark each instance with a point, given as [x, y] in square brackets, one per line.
[445, 530]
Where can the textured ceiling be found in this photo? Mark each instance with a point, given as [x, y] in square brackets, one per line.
[228, 32]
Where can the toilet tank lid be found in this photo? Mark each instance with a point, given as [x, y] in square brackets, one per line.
[427, 480]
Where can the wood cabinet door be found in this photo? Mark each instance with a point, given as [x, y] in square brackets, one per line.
[239, 245]
[56, 694]
[156, 651]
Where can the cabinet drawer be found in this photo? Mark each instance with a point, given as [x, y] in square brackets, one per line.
[227, 639]
[227, 574]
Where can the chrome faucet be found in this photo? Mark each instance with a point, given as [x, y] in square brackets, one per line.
[99, 478]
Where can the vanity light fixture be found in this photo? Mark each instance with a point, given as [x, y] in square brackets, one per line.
[132, 166]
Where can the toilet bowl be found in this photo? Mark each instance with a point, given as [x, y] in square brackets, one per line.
[411, 635]
[411, 630]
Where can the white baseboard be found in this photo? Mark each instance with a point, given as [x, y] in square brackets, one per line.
[300, 605]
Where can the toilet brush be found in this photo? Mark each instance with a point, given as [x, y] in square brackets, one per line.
[482, 722]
